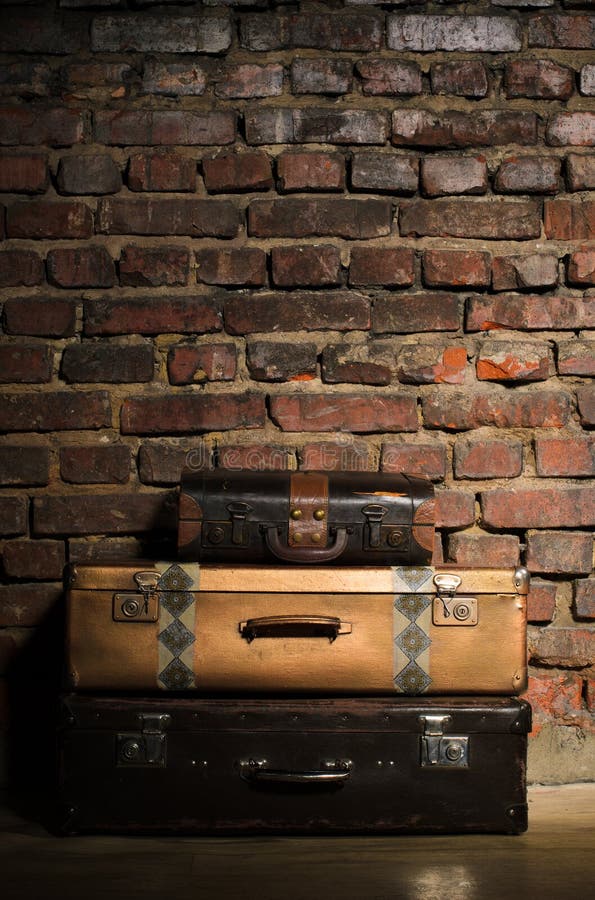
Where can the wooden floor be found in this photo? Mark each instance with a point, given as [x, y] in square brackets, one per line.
[553, 860]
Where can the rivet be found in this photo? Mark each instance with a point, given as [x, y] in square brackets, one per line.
[296, 514]
[297, 538]
[316, 538]
[319, 514]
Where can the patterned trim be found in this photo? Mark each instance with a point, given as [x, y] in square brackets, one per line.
[176, 631]
[412, 618]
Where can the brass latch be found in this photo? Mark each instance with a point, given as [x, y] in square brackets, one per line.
[142, 606]
[146, 747]
[439, 749]
[448, 609]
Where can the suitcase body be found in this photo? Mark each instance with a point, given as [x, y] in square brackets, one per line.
[324, 766]
[324, 630]
[338, 518]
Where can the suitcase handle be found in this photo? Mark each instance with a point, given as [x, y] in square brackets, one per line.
[305, 554]
[294, 626]
[333, 772]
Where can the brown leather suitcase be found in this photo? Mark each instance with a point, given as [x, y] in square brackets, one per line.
[412, 630]
[343, 518]
[322, 766]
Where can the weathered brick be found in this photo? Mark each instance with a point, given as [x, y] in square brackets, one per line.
[93, 174]
[232, 267]
[572, 456]
[576, 358]
[192, 413]
[264, 31]
[361, 413]
[13, 515]
[23, 174]
[528, 175]
[486, 457]
[321, 76]
[174, 79]
[92, 363]
[196, 315]
[28, 605]
[564, 32]
[587, 80]
[249, 171]
[413, 313]
[554, 697]
[530, 271]
[344, 455]
[40, 318]
[96, 80]
[311, 171]
[541, 600]
[94, 513]
[316, 265]
[580, 172]
[20, 267]
[257, 457]
[423, 128]
[585, 398]
[92, 464]
[164, 34]
[247, 80]
[505, 220]
[281, 361]
[456, 268]
[487, 34]
[49, 219]
[575, 128]
[40, 31]
[540, 507]
[350, 219]
[196, 218]
[283, 125]
[42, 560]
[25, 80]
[464, 78]
[55, 411]
[384, 172]
[569, 220]
[161, 463]
[527, 312]
[539, 79]
[500, 360]
[494, 550]
[389, 77]
[560, 552]
[431, 364]
[24, 465]
[357, 364]
[164, 127]
[443, 175]
[308, 311]
[324, 31]
[427, 460]
[382, 265]
[57, 127]
[454, 509]
[198, 363]
[154, 266]
[78, 267]
[458, 410]
[161, 171]
[581, 267]
[584, 598]
[23, 364]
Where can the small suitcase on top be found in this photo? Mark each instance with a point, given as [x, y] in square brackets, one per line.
[337, 518]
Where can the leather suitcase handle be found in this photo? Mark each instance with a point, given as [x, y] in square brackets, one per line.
[305, 554]
[337, 772]
[294, 626]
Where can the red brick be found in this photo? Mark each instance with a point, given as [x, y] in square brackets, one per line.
[23, 364]
[230, 172]
[248, 80]
[185, 79]
[163, 127]
[142, 31]
[529, 312]
[565, 32]
[20, 267]
[488, 34]
[196, 315]
[41, 318]
[478, 457]
[161, 463]
[456, 268]
[569, 220]
[584, 598]
[560, 552]
[264, 31]
[581, 267]
[276, 361]
[25, 80]
[513, 361]
[454, 509]
[572, 647]
[554, 697]
[234, 267]
[316, 125]
[191, 413]
[81, 267]
[316, 265]
[541, 507]
[384, 172]
[587, 79]
[92, 362]
[92, 174]
[58, 127]
[256, 457]
[451, 129]
[580, 172]
[309, 311]
[27, 605]
[494, 550]
[198, 363]
[344, 455]
[428, 460]
[94, 513]
[464, 78]
[49, 219]
[585, 397]
[362, 413]
[13, 515]
[444, 175]
[104, 80]
[505, 220]
[390, 266]
[320, 76]
[416, 313]
[196, 218]
[55, 411]
[161, 171]
[24, 465]
[541, 600]
[92, 464]
[539, 79]
[154, 266]
[431, 364]
[351, 219]
[344, 30]
[23, 174]
[464, 410]
[357, 364]
[576, 358]
[389, 77]
[41, 560]
[311, 171]
[528, 175]
[575, 128]
[565, 457]
[524, 272]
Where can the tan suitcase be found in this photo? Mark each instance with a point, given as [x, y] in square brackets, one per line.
[409, 630]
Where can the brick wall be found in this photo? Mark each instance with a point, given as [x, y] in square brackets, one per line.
[324, 235]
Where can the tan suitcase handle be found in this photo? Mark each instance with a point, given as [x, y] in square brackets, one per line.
[305, 554]
[294, 626]
[335, 772]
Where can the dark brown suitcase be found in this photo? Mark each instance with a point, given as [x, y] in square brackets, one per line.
[343, 518]
[323, 766]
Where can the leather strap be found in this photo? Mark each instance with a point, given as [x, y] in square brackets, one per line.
[308, 510]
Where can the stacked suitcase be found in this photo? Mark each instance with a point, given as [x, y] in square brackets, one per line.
[300, 668]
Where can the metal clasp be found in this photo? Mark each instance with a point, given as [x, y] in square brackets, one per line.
[238, 512]
[374, 513]
[147, 747]
[440, 750]
[129, 607]
[449, 609]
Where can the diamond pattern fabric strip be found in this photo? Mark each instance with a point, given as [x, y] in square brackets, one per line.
[412, 617]
[177, 626]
